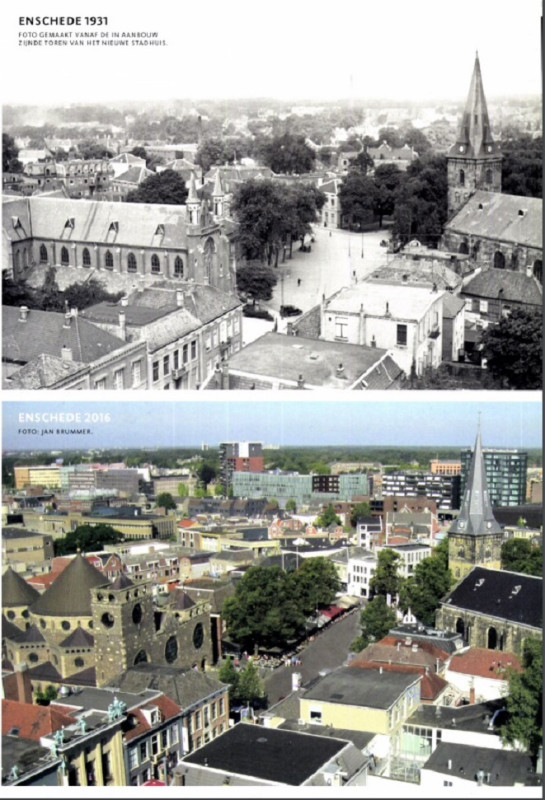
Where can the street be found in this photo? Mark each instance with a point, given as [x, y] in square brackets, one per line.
[337, 258]
[328, 651]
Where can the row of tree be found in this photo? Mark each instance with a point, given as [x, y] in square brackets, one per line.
[270, 606]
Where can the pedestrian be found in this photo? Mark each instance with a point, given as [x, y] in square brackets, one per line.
[298, 281]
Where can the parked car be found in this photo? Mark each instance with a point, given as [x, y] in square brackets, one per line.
[290, 311]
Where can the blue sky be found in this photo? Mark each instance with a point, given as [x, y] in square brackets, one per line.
[427, 421]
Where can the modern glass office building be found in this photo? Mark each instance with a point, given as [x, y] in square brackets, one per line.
[505, 475]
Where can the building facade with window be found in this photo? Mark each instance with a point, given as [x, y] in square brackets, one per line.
[505, 474]
[405, 320]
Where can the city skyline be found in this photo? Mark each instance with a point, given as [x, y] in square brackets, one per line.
[394, 50]
[513, 423]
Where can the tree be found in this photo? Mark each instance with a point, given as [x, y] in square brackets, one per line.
[183, 491]
[357, 197]
[362, 162]
[139, 152]
[206, 473]
[87, 538]
[165, 500]
[513, 350]
[288, 153]
[228, 674]
[10, 162]
[327, 517]
[210, 152]
[264, 211]
[519, 555]
[424, 590]
[386, 579]
[166, 187]
[314, 584]
[359, 510]
[250, 687]
[524, 703]
[387, 178]
[262, 610]
[421, 201]
[376, 620]
[218, 490]
[256, 281]
[522, 165]
[45, 696]
[91, 150]
[291, 505]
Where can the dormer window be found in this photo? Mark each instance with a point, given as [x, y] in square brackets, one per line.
[16, 222]
[114, 226]
[160, 230]
[70, 222]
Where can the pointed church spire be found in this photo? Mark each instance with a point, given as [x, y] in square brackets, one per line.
[218, 188]
[476, 516]
[192, 192]
[475, 134]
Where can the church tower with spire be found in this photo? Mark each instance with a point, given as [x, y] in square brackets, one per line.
[475, 537]
[474, 161]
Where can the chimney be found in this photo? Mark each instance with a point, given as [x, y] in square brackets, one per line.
[449, 764]
[300, 382]
[122, 324]
[24, 686]
[225, 374]
[179, 298]
[23, 314]
[66, 353]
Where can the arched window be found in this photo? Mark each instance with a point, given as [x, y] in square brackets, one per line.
[538, 270]
[155, 263]
[492, 639]
[488, 176]
[209, 259]
[514, 260]
[476, 248]
[86, 257]
[178, 267]
[131, 262]
[43, 254]
[17, 259]
[499, 260]
[463, 248]
[462, 178]
[108, 260]
[65, 258]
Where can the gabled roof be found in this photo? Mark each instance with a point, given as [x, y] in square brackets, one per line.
[168, 708]
[498, 593]
[32, 721]
[504, 767]
[507, 286]
[452, 305]
[184, 686]
[30, 635]
[16, 591]
[43, 372]
[134, 176]
[490, 215]
[121, 582]
[70, 594]
[485, 663]
[46, 332]
[78, 638]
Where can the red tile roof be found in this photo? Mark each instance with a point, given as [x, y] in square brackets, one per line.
[166, 706]
[32, 721]
[485, 663]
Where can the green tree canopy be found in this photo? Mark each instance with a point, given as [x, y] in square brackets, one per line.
[183, 491]
[524, 703]
[387, 178]
[167, 187]
[519, 555]
[250, 687]
[262, 611]
[291, 505]
[314, 584]
[87, 538]
[386, 579]
[421, 201]
[513, 350]
[88, 149]
[165, 500]
[423, 591]
[206, 473]
[328, 517]
[10, 162]
[228, 673]
[376, 620]
[360, 510]
[211, 151]
[522, 165]
[358, 198]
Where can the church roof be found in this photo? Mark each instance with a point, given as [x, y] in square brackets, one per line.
[475, 134]
[503, 217]
[122, 582]
[70, 594]
[476, 516]
[78, 638]
[16, 591]
[498, 593]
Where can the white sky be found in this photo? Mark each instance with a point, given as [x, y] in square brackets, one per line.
[293, 49]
